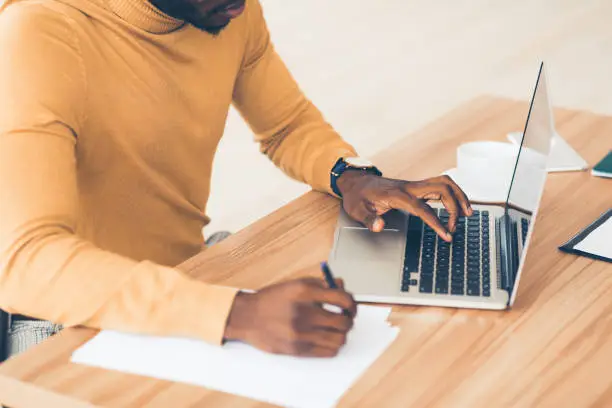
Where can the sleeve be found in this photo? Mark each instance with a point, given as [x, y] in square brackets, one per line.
[46, 270]
[290, 129]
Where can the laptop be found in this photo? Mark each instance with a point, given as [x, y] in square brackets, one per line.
[407, 263]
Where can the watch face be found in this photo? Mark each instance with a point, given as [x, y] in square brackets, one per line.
[358, 162]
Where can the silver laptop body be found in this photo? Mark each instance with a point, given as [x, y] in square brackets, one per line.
[407, 263]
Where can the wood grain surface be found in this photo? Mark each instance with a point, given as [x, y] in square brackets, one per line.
[553, 349]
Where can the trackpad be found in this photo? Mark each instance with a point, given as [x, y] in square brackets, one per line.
[358, 244]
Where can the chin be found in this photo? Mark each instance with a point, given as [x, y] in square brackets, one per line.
[209, 29]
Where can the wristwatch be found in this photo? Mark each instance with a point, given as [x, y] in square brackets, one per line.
[350, 163]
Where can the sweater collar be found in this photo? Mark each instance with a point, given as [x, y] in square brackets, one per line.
[142, 14]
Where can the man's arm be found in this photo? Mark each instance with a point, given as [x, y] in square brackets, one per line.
[46, 270]
[290, 129]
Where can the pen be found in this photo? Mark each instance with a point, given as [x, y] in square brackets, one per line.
[332, 285]
[328, 275]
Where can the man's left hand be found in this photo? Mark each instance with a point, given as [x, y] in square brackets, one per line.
[367, 197]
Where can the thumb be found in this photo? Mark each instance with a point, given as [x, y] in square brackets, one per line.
[339, 283]
[369, 218]
[378, 224]
[374, 222]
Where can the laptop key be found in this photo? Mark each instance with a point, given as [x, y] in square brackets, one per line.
[427, 276]
[473, 276]
[425, 288]
[427, 267]
[473, 291]
[457, 282]
[441, 279]
[456, 290]
[473, 266]
[458, 257]
[413, 282]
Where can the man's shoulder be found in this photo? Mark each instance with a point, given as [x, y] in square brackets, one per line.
[28, 19]
[254, 11]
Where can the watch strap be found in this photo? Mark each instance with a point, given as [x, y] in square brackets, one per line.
[340, 167]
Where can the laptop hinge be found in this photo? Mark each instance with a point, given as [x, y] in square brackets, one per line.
[507, 238]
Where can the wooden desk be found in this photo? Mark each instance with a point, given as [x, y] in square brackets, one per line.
[554, 349]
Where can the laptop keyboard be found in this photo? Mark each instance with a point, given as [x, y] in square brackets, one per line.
[524, 228]
[458, 268]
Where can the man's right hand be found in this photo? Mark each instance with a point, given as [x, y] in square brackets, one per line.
[289, 318]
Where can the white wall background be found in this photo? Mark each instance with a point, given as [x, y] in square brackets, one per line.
[381, 69]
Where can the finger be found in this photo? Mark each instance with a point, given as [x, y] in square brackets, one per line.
[367, 216]
[309, 349]
[429, 217]
[339, 283]
[452, 206]
[295, 348]
[321, 319]
[321, 338]
[445, 194]
[336, 297]
[404, 201]
[462, 198]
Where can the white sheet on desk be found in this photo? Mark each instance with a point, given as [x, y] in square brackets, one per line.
[599, 241]
[240, 369]
[488, 191]
[562, 156]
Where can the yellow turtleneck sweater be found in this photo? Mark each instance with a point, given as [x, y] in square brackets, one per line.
[110, 115]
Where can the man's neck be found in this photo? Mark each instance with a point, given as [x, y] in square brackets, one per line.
[144, 15]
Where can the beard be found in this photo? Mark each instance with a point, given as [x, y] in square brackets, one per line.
[186, 12]
[215, 31]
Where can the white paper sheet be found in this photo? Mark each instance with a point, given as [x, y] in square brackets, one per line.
[562, 156]
[599, 241]
[240, 369]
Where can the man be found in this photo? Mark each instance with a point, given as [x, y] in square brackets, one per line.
[110, 115]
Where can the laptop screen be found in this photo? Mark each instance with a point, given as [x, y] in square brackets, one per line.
[530, 169]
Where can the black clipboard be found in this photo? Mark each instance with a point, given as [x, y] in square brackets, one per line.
[4, 332]
[569, 246]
